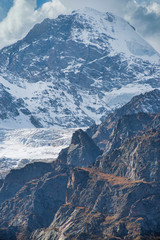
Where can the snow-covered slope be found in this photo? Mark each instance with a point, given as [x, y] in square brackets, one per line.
[120, 35]
[73, 70]
[22, 146]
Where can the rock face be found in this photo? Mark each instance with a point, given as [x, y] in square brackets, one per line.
[132, 125]
[31, 197]
[148, 103]
[104, 133]
[7, 104]
[137, 158]
[16, 179]
[116, 197]
[63, 61]
[82, 151]
[103, 206]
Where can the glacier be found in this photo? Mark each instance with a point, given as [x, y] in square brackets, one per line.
[19, 147]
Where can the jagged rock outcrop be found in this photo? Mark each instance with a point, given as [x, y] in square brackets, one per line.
[30, 196]
[8, 104]
[129, 126]
[144, 103]
[119, 199]
[148, 102]
[33, 206]
[137, 158]
[103, 206]
[82, 151]
[17, 178]
[86, 203]
[116, 197]
[29, 199]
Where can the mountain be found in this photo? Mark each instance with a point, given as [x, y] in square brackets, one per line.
[21, 146]
[73, 70]
[103, 206]
[132, 125]
[57, 201]
[137, 158]
[126, 117]
[88, 193]
[25, 206]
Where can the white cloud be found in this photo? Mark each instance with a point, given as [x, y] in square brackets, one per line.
[154, 8]
[50, 10]
[23, 16]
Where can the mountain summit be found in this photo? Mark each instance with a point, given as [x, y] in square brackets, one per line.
[73, 70]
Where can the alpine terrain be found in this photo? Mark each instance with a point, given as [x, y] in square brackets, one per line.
[80, 122]
[72, 71]
[90, 193]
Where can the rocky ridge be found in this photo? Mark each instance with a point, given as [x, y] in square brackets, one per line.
[117, 197]
[105, 134]
[82, 151]
[137, 158]
[29, 198]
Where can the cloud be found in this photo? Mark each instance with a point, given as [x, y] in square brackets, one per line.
[146, 19]
[23, 16]
[50, 10]
[5, 5]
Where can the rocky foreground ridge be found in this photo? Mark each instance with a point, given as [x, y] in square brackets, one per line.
[88, 192]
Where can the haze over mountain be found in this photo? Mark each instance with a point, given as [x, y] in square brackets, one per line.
[46, 77]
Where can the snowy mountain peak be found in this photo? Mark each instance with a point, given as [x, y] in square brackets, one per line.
[90, 13]
[121, 35]
[75, 69]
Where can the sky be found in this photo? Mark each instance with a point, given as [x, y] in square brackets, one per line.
[17, 17]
